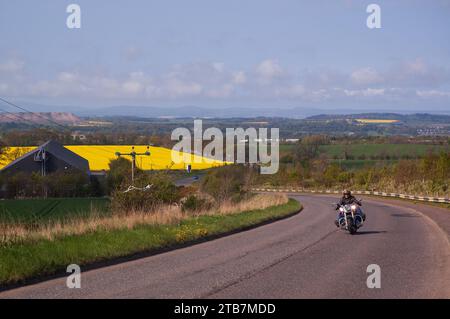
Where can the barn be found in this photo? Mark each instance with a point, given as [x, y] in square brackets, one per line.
[48, 158]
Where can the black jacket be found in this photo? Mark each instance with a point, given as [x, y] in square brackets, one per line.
[348, 201]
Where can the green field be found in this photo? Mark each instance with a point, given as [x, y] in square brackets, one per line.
[52, 209]
[356, 156]
[368, 150]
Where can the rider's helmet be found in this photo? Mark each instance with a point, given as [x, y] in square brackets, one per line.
[347, 193]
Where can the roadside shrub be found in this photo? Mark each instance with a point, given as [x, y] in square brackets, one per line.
[162, 191]
[228, 182]
[193, 203]
[331, 174]
[344, 177]
[287, 159]
[405, 171]
[119, 174]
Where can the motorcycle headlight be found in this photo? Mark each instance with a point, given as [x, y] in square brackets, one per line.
[353, 207]
[341, 209]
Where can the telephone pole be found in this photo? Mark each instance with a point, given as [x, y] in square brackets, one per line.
[133, 155]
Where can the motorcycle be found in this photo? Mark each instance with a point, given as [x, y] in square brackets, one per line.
[350, 218]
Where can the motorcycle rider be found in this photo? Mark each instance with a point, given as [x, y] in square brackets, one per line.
[348, 199]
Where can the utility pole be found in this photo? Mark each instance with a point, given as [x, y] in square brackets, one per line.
[133, 155]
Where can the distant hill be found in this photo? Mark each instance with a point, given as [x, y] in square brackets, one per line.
[195, 111]
[406, 118]
[192, 111]
[40, 118]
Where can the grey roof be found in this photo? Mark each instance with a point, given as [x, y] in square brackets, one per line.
[58, 150]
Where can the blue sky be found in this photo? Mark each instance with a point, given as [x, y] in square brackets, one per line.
[219, 53]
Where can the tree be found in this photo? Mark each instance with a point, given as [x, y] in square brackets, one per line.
[228, 182]
[308, 147]
[119, 173]
[331, 174]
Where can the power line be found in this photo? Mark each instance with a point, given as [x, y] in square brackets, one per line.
[133, 155]
[37, 114]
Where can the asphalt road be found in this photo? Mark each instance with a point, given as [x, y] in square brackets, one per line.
[186, 181]
[303, 256]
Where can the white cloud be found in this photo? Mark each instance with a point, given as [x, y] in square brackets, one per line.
[269, 69]
[369, 92]
[267, 80]
[137, 75]
[417, 73]
[433, 93]
[416, 67]
[366, 76]
[296, 90]
[67, 77]
[224, 91]
[239, 77]
[178, 88]
[132, 87]
[320, 95]
[11, 65]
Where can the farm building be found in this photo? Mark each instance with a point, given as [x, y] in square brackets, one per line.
[48, 158]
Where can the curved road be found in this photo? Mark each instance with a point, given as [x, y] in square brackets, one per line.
[303, 256]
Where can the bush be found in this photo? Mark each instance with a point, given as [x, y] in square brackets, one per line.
[162, 191]
[287, 159]
[69, 183]
[17, 185]
[331, 174]
[228, 182]
[119, 174]
[194, 204]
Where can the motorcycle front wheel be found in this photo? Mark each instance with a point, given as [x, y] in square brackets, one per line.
[351, 227]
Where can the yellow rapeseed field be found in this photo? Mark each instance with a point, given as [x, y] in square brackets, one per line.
[376, 121]
[99, 157]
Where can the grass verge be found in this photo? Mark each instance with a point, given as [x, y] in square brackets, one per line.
[19, 262]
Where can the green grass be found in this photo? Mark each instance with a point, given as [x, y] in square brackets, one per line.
[51, 209]
[369, 155]
[356, 150]
[398, 150]
[19, 262]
